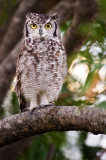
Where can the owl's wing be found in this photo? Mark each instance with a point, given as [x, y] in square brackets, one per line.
[64, 65]
[22, 101]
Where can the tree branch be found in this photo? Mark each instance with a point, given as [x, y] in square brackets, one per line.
[86, 11]
[51, 152]
[15, 150]
[55, 118]
[65, 10]
[7, 70]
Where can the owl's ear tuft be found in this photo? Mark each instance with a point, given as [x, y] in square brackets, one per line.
[55, 17]
[29, 15]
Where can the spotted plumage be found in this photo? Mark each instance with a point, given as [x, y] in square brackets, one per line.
[41, 65]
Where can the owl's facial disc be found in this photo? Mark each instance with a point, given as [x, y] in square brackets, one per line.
[41, 26]
[38, 30]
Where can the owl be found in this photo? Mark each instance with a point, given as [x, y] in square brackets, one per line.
[41, 65]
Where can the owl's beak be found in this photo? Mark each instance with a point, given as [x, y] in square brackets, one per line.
[40, 31]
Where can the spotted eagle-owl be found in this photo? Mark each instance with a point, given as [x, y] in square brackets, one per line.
[41, 65]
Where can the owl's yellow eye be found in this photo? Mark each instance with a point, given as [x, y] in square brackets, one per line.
[48, 26]
[33, 26]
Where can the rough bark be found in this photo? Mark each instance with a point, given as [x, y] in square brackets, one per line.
[54, 118]
[15, 29]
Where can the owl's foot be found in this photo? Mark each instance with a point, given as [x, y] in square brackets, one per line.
[47, 105]
[24, 110]
[31, 111]
[51, 104]
[41, 107]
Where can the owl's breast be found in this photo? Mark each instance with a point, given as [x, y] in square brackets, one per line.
[42, 69]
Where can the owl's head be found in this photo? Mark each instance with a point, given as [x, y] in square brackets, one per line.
[41, 25]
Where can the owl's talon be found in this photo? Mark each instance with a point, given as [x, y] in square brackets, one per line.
[24, 110]
[51, 104]
[31, 111]
[48, 105]
[43, 106]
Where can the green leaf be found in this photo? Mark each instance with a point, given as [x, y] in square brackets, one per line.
[15, 103]
[40, 146]
[65, 26]
[102, 105]
[95, 69]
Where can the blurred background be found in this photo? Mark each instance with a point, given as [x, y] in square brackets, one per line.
[83, 30]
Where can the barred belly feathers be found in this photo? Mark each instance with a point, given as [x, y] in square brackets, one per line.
[41, 65]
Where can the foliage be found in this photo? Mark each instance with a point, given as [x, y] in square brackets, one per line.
[65, 26]
[39, 147]
[6, 9]
[15, 103]
[89, 152]
[93, 54]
